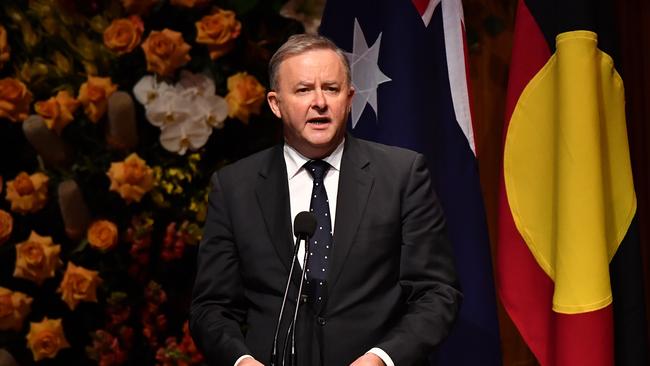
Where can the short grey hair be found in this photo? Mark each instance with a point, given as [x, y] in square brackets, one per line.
[298, 44]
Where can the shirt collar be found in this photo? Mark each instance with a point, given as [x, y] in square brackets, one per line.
[295, 160]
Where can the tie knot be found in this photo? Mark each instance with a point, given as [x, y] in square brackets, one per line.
[317, 169]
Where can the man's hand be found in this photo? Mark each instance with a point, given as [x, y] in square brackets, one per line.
[249, 361]
[369, 359]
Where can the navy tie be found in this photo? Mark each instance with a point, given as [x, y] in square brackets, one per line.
[321, 242]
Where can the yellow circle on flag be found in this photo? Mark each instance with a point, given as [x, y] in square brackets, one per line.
[567, 171]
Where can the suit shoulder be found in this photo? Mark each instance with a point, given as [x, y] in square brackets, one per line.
[388, 152]
[246, 167]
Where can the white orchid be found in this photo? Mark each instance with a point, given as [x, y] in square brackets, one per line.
[185, 112]
[179, 136]
[213, 108]
[147, 89]
[169, 107]
[197, 84]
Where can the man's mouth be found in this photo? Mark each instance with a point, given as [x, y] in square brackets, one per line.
[319, 120]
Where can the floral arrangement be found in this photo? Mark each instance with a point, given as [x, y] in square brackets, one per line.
[113, 115]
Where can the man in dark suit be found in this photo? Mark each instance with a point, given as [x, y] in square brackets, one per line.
[381, 280]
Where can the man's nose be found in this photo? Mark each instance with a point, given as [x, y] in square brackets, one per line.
[319, 102]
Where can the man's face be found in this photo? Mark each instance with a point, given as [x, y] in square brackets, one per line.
[313, 100]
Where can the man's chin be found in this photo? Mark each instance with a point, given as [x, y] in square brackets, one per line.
[315, 149]
[320, 138]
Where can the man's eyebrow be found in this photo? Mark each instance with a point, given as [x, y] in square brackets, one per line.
[310, 84]
[304, 82]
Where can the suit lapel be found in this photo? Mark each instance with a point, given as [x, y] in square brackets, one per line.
[272, 192]
[355, 183]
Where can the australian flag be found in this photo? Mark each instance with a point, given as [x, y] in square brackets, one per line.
[408, 60]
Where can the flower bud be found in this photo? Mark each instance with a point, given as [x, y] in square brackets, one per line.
[74, 211]
[122, 132]
[46, 142]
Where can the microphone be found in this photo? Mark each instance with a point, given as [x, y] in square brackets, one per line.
[293, 325]
[304, 226]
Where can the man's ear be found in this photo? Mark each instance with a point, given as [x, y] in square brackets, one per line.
[350, 95]
[274, 103]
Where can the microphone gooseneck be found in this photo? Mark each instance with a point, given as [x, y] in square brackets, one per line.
[304, 226]
[294, 359]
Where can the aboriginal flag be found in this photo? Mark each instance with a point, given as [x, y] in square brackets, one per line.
[568, 269]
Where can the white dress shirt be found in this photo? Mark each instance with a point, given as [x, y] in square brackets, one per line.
[300, 187]
[301, 184]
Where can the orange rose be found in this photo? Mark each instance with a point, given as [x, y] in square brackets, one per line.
[218, 31]
[94, 94]
[67, 104]
[46, 338]
[138, 6]
[131, 178]
[57, 112]
[165, 51]
[6, 226]
[102, 234]
[49, 110]
[27, 193]
[14, 100]
[124, 34]
[14, 307]
[37, 258]
[4, 47]
[189, 3]
[79, 284]
[245, 96]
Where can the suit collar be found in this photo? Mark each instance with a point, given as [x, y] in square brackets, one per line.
[295, 161]
[355, 184]
[272, 192]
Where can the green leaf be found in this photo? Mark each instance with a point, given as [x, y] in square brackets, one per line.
[82, 245]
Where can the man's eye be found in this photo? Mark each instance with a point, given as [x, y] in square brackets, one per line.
[302, 90]
[332, 89]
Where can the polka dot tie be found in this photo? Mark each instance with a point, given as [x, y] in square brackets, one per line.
[321, 242]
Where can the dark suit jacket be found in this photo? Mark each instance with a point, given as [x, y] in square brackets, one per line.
[392, 279]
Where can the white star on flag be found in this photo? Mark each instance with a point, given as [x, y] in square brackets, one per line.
[366, 75]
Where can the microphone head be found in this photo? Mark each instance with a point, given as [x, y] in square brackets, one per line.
[304, 224]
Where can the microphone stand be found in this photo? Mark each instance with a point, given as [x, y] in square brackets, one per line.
[303, 227]
[294, 358]
[274, 350]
